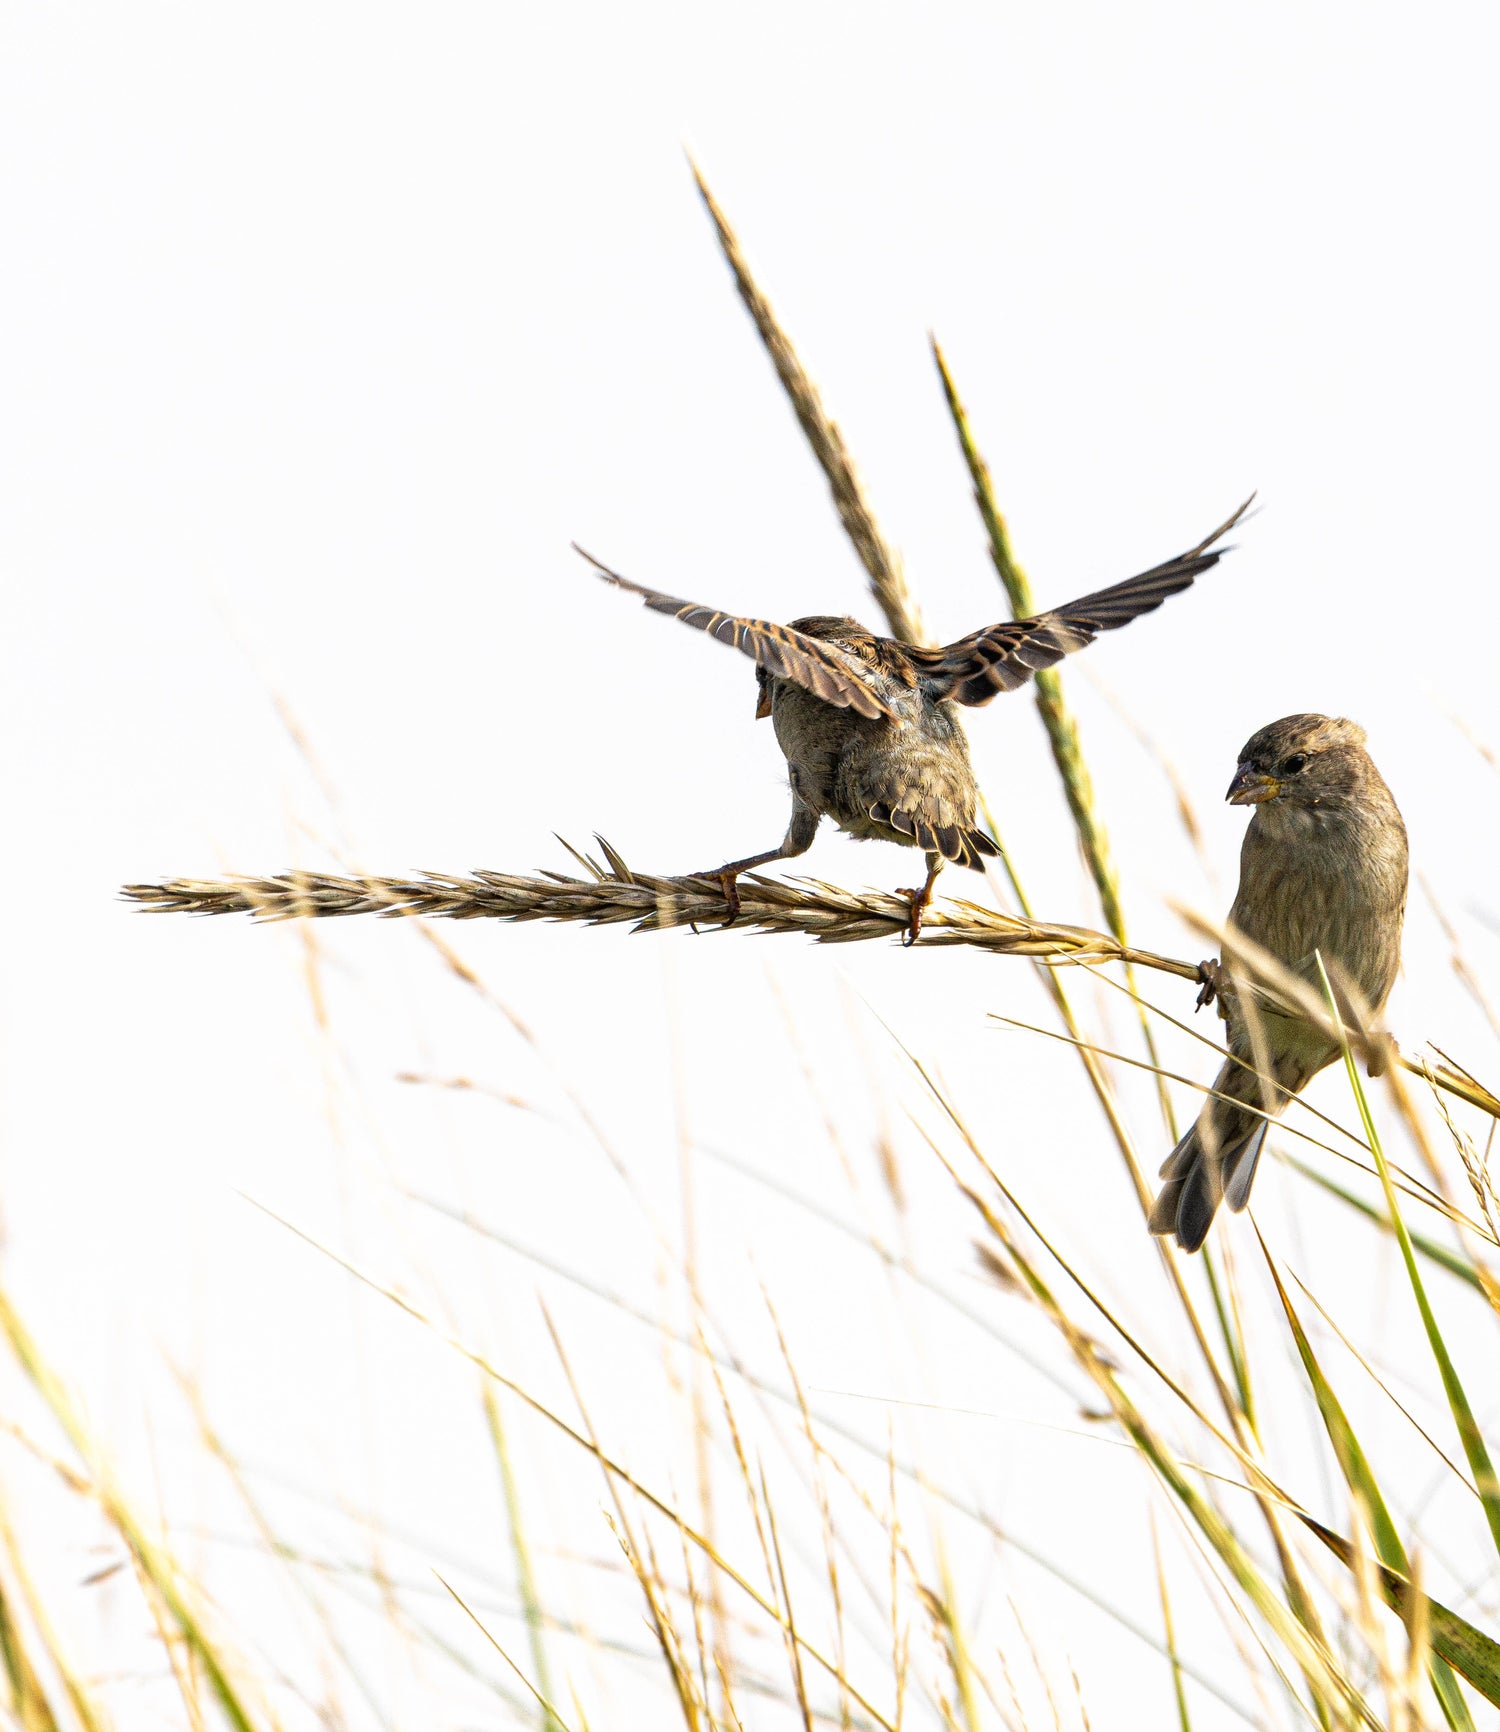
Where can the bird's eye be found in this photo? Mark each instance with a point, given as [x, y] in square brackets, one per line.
[1294, 763]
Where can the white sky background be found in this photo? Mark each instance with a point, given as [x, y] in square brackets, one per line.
[322, 333]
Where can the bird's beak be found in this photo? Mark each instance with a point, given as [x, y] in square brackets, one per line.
[1252, 787]
[763, 705]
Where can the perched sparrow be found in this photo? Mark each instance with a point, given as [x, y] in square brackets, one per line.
[1322, 869]
[868, 725]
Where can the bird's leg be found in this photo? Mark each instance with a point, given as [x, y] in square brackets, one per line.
[920, 899]
[1216, 982]
[798, 839]
[726, 877]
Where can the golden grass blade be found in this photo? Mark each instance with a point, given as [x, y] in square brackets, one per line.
[642, 1561]
[700, 1639]
[798, 1681]
[28, 1705]
[531, 1602]
[820, 1492]
[1179, 1692]
[153, 1565]
[552, 1717]
[887, 581]
[648, 1578]
[32, 1707]
[900, 1635]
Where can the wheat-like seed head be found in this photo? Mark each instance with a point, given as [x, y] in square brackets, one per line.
[826, 912]
[887, 580]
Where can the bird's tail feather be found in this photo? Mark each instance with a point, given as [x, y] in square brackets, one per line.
[1216, 1161]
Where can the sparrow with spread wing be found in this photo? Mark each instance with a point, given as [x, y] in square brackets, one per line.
[1322, 871]
[869, 727]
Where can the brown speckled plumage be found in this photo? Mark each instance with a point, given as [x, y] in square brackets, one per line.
[1323, 869]
[869, 726]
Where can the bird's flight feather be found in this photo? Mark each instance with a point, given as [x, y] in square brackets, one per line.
[820, 668]
[1002, 657]
[998, 658]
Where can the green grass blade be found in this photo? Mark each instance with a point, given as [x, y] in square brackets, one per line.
[1353, 1463]
[1360, 1478]
[1057, 718]
[1467, 1649]
[1458, 1402]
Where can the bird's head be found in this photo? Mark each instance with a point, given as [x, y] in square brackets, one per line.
[883, 654]
[848, 633]
[839, 629]
[1305, 760]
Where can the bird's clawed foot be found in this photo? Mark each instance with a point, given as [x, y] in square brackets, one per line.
[727, 880]
[727, 876]
[920, 901]
[1216, 982]
[729, 883]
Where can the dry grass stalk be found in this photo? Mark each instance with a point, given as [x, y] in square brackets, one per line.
[825, 912]
[887, 581]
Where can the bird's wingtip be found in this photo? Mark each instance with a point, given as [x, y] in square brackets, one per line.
[601, 569]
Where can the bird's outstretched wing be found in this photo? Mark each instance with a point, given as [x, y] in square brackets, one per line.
[820, 668]
[1002, 657]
